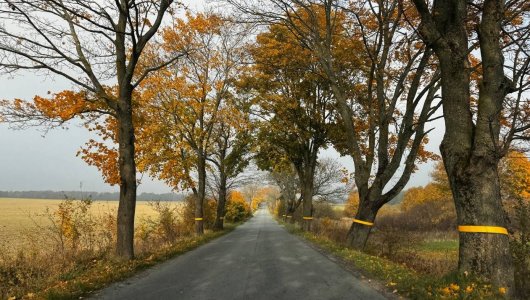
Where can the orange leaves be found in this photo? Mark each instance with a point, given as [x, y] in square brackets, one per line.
[419, 195]
[352, 204]
[104, 157]
[436, 191]
[64, 105]
[183, 103]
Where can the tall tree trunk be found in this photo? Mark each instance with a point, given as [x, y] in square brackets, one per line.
[476, 192]
[199, 200]
[307, 195]
[469, 150]
[127, 168]
[474, 182]
[358, 233]
[219, 218]
[289, 215]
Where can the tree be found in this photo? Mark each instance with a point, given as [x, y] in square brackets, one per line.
[230, 156]
[331, 182]
[295, 103]
[287, 180]
[479, 131]
[266, 194]
[189, 100]
[437, 190]
[421, 195]
[384, 86]
[89, 43]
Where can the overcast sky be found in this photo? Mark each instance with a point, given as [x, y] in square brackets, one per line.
[32, 160]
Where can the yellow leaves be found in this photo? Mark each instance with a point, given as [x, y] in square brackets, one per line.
[446, 291]
[237, 208]
[182, 104]
[451, 290]
[419, 195]
[455, 287]
[352, 204]
[502, 290]
[104, 157]
[190, 33]
[515, 174]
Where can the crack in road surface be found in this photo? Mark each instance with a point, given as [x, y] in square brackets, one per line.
[258, 260]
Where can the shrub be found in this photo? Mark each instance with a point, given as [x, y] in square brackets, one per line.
[334, 230]
[427, 216]
[188, 214]
[324, 209]
[165, 228]
[237, 209]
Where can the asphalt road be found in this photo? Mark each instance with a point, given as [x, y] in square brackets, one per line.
[258, 260]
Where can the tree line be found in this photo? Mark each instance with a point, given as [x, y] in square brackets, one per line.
[88, 195]
[195, 101]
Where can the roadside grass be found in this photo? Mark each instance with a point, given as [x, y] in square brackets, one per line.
[439, 246]
[399, 278]
[84, 279]
[69, 251]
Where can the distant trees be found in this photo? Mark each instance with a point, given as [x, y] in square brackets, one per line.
[89, 44]
[295, 103]
[87, 194]
[383, 82]
[437, 190]
[330, 185]
[287, 181]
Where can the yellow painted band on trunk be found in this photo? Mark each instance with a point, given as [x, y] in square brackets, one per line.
[198, 219]
[283, 215]
[483, 229]
[308, 218]
[363, 222]
[289, 216]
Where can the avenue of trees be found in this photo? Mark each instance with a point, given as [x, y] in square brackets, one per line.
[194, 98]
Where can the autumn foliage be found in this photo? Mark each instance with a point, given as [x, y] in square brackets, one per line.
[237, 209]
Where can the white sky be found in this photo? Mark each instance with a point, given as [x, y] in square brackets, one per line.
[30, 160]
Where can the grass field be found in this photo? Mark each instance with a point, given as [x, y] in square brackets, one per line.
[18, 216]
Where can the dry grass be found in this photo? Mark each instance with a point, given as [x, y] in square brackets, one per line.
[20, 216]
[425, 251]
[65, 249]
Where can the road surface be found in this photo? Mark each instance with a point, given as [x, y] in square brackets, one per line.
[258, 260]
